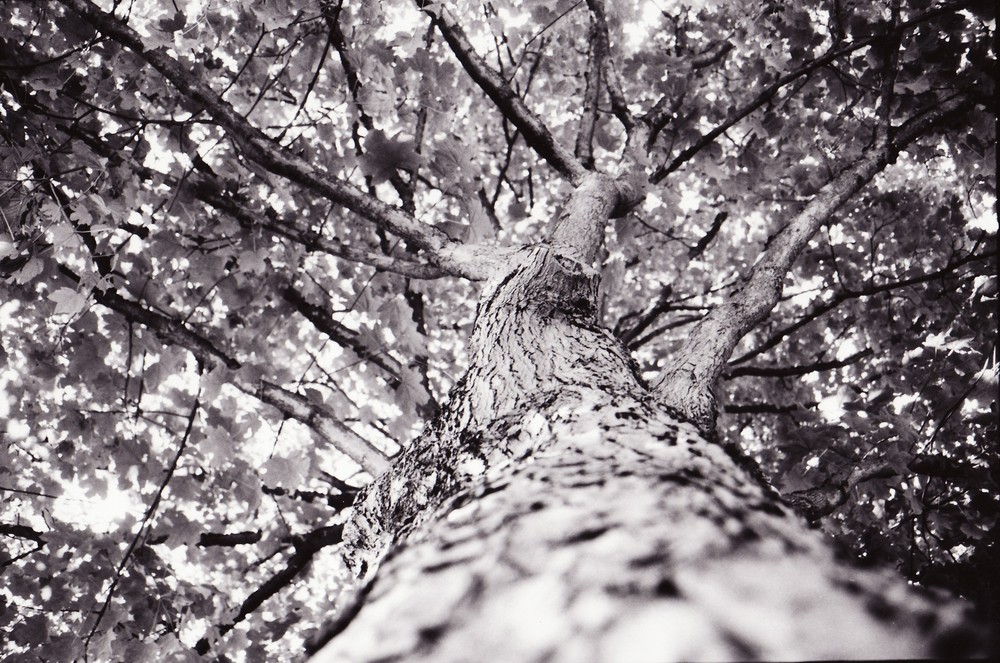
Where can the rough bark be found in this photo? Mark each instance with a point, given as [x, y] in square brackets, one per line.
[556, 511]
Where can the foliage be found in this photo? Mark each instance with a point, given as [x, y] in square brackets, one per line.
[194, 334]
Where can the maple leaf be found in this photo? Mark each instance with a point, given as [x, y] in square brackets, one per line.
[68, 301]
[384, 155]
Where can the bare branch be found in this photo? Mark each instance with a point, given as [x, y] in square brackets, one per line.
[794, 371]
[272, 222]
[507, 101]
[584, 150]
[306, 548]
[602, 44]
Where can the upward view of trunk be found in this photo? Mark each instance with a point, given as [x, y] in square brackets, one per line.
[558, 511]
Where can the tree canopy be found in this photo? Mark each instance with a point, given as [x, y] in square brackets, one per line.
[242, 243]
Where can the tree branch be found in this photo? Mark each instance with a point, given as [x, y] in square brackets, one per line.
[795, 371]
[606, 64]
[22, 532]
[766, 408]
[342, 335]
[441, 249]
[535, 133]
[768, 92]
[338, 501]
[627, 330]
[823, 500]
[209, 539]
[841, 297]
[144, 525]
[584, 150]
[316, 416]
[703, 243]
[306, 548]
[687, 385]
[270, 221]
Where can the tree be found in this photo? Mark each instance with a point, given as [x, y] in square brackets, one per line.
[736, 271]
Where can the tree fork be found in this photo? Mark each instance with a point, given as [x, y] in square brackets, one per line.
[556, 510]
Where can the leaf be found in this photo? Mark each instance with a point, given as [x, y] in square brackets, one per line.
[252, 261]
[68, 301]
[30, 270]
[286, 472]
[32, 631]
[211, 383]
[410, 393]
[217, 446]
[172, 24]
[399, 320]
[385, 155]
[480, 226]
[63, 233]
[8, 249]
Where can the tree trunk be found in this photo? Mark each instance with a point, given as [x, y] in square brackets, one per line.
[555, 511]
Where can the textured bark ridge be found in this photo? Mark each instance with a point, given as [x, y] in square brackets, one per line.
[535, 335]
[556, 512]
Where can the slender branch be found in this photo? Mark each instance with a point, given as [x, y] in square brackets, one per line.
[652, 334]
[507, 101]
[226, 539]
[347, 60]
[338, 501]
[321, 419]
[627, 330]
[144, 525]
[317, 416]
[272, 222]
[306, 548]
[795, 371]
[703, 243]
[888, 48]
[767, 408]
[442, 249]
[871, 289]
[342, 335]
[823, 500]
[511, 138]
[169, 330]
[22, 532]
[339, 40]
